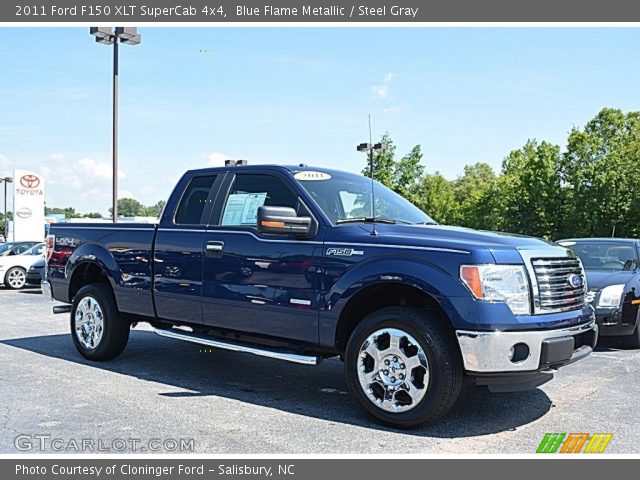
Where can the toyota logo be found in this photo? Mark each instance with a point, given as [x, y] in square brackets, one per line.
[575, 280]
[29, 181]
[24, 212]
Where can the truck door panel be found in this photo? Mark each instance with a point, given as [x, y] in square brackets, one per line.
[263, 284]
[179, 254]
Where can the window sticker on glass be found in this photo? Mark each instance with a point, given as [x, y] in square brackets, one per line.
[242, 208]
[310, 175]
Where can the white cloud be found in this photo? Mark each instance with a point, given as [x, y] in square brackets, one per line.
[148, 189]
[4, 162]
[99, 169]
[380, 91]
[216, 159]
[125, 194]
[398, 108]
[383, 91]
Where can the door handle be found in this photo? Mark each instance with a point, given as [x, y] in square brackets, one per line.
[214, 249]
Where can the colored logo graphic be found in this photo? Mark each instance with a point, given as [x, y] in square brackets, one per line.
[29, 181]
[575, 280]
[574, 443]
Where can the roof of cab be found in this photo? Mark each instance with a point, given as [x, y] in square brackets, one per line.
[287, 168]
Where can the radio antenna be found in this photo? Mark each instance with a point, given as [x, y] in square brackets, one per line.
[369, 148]
[373, 195]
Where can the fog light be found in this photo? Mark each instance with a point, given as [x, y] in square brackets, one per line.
[518, 353]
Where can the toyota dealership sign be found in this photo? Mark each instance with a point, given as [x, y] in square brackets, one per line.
[28, 205]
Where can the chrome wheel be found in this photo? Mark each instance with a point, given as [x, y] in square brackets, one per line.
[393, 370]
[16, 278]
[89, 322]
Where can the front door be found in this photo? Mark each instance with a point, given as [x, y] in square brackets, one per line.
[258, 283]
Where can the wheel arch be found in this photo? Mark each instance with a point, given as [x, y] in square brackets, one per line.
[85, 273]
[379, 295]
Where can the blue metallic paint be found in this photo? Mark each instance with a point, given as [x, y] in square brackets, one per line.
[251, 287]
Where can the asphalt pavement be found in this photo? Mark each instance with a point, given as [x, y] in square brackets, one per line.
[163, 395]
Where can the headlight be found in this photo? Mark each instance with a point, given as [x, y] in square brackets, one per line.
[611, 296]
[499, 283]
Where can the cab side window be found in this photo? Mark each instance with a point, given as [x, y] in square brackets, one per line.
[194, 200]
[251, 191]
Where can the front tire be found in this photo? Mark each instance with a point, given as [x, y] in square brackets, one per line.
[15, 278]
[98, 330]
[633, 340]
[403, 367]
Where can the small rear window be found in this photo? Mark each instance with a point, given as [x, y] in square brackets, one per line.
[194, 200]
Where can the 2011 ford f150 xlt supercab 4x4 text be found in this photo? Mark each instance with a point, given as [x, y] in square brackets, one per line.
[301, 264]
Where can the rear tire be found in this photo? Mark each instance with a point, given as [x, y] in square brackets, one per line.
[403, 366]
[15, 278]
[98, 330]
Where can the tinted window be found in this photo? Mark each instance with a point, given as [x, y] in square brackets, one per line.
[194, 200]
[35, 250]
[607, 255]
[22, 248]
[252, 191]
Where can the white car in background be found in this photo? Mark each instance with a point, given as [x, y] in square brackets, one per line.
[13, 269]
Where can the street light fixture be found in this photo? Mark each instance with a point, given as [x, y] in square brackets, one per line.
[107, 36]
[369, 148]
[5, 230]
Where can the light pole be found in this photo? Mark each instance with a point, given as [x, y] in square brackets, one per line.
[107, 36]
[5, 229]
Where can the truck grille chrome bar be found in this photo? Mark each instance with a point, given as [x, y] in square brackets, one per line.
[561, 284]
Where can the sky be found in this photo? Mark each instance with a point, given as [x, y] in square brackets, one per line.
[190, 97]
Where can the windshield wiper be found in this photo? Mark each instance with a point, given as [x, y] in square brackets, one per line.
[366, 220]
[426, 223]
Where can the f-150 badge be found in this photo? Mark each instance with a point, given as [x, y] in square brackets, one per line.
[344, 252]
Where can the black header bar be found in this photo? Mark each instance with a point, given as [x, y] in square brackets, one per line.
[349, 11]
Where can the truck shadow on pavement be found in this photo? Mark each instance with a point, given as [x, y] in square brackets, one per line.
[318, 392]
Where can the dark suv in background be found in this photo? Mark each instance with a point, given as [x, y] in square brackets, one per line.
[613, 282]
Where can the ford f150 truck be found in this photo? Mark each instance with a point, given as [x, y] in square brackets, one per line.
[303, 264]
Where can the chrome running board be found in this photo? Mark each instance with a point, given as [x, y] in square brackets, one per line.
[239, 347]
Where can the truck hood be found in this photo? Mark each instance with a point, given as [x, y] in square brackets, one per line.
[598, 279]
[458, 237]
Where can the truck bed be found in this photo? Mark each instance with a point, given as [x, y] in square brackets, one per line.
[125, 252]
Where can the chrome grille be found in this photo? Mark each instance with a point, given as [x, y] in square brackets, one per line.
[555, 292]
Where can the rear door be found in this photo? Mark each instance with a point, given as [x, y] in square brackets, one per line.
[257, 283]
[179, 252]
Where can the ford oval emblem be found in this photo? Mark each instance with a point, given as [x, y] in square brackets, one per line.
[575, 280]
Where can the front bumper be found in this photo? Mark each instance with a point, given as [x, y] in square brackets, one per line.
[34, 278]
[538, 353]
[612, 321]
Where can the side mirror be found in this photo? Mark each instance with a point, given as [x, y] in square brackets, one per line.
[282, 220]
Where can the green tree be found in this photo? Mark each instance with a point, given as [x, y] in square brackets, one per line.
[599, 172]
[154, 210]
[129, 207]
[383, 163]
[477, 196]
[436, 196]
[530, 190]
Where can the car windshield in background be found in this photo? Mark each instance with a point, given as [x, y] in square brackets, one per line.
[35, 250]
[346, 198]
[604, 255]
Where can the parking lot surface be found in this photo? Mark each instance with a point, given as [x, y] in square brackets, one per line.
[233, 403]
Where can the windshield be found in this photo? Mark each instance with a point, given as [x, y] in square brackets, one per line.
[615, 256]
[343, 196]
[5, 246]
[35, 250]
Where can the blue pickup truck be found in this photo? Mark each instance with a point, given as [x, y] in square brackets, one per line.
[302, 264]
